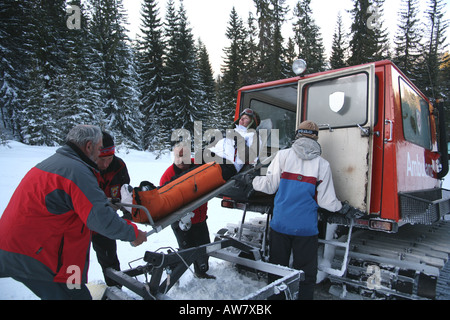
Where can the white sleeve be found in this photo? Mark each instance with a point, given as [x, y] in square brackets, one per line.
[270, 182]
[326, 195]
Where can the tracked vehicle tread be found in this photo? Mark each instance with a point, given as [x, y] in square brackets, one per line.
[412, 264]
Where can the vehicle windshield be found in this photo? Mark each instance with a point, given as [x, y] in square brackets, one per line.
[276, 107]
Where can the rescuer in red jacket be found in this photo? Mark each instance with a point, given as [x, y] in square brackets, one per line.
[113, 174]
[193, 232]
[45, 230]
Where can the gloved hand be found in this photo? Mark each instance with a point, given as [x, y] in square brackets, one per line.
[244, 184]
[349, 211]
[185, 223]
[247, 178]
[146, 185]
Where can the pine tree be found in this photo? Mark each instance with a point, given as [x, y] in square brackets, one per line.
[116, 76]
[444, 78]
[78, 102]
[407, 39]
[307, 37]
[271, 53]
[264, 14]
[207, 99]
[45, 73]
[381, 35]
[363, 42]
[250, 52]
[15, 53]
[151, 77]
[339, 46]
[278, 68]
[233, 68]
[182, 71]
[444, 81]
[360, 43]
[433, 50]
[290, 55]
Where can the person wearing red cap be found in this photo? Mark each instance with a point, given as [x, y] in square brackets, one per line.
[113, 170]
[113, 174]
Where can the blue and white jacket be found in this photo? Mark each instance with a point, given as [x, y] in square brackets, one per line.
[303, 182]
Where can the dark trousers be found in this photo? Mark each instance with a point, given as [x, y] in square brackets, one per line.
[47, 290]
[106, 250]
[196, 236]
[304, 251]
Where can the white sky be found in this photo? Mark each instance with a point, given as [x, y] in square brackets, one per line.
[209, 19]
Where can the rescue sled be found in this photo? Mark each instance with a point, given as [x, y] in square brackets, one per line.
[163, 270]
[159, 208]
[162, 201]
[177, 215]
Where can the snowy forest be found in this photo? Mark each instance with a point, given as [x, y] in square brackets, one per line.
[54, 75]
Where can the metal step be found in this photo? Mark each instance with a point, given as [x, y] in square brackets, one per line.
[339, 272]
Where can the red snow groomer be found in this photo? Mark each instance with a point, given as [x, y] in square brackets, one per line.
[386, 144]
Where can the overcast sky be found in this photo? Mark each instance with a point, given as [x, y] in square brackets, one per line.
[209, 19]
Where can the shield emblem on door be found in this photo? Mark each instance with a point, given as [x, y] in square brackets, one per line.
[337, 100]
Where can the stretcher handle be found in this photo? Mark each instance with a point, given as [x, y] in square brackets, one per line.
[137, 206]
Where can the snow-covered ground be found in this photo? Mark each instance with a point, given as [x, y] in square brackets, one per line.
[15, 161]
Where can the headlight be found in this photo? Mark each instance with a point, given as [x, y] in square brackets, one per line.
[299, 66]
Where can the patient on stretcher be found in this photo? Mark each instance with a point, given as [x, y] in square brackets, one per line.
[232, 154]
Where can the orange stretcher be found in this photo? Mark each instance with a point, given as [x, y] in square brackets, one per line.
[177, 193]
[161, 207]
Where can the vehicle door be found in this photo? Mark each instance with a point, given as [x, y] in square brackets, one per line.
[342, 104]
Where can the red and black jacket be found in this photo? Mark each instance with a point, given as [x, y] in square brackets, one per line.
[113, 178]
[46, 228]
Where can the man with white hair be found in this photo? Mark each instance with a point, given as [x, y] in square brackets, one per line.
[45, 231]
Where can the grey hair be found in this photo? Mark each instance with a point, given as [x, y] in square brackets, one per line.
[83, 133]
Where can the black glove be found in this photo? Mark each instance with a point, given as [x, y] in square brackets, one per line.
[246, 178]
[146, 185]
[244, 184]
[349, 212]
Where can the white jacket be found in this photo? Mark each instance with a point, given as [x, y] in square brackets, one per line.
[227, 149]
[303, 182]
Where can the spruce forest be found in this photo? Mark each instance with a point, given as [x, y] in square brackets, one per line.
[54, 75]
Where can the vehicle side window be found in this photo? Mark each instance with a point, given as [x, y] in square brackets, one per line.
[277, 118]
[415, 116]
